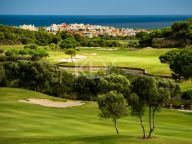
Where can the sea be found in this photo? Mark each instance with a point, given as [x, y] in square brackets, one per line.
[118, 21]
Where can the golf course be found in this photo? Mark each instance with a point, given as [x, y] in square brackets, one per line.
[95, 72]
[145, 58]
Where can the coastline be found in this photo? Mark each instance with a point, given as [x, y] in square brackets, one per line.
[118, 21]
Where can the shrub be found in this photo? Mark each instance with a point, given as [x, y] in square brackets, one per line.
[11, 52]
[3, 58]
[1, 51]
[164, 43]
[187, 95]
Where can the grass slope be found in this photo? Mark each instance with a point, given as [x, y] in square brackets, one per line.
[23, 123]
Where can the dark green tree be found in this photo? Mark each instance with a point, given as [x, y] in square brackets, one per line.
[137, 109]
[115, 82]
[71, 52]
[151, 95]
[112, 105]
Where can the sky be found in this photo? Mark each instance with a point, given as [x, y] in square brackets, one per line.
[96, 7]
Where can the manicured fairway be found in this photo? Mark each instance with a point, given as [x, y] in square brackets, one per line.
[146, 58]
[22, 123]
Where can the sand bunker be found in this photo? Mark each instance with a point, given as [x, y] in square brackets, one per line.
[93, 54]
[80, 57]
[109, 49]
[51, 103]
[75, 59]
[185, 110]
[67, 60]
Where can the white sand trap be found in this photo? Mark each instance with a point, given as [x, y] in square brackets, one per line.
[75, 59]
[93, 54]
[80, 57]
[185, 110]
[51, 103]
[109, 49]
[67, 60]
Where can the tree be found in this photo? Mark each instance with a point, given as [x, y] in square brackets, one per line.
[87, 87]
[115, 82]
[152, 95]
[180, 62]
[145, 39]
[187, 95]
[11, 52]
[169, 56]
[52, 46]
[1, 51]
[68, 43]
[71, 52]
[181, 28]
[23, 52]
[112, 105]
[2, 75]
[33, 46]
[40, 76]
[137, 109]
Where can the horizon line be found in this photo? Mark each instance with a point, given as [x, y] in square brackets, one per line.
[96, 15]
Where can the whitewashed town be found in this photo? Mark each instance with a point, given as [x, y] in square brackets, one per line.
[86, 29]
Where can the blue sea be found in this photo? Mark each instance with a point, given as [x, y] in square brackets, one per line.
[119, 21]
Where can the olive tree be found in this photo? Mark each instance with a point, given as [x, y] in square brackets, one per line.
[71, 52]
[151, 95]
[137, 109]
[112, 105]
[115, 82]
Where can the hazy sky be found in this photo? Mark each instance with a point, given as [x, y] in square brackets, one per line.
[96, 7]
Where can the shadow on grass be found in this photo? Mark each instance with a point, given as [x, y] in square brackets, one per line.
[97, 139]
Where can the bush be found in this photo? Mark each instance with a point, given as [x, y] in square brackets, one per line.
[11, 52]
[187, 95]
[1, 51]
[3, 58]
[164, 43]
[39, 76]
[33, 46]
[87, 87]
[23, 52]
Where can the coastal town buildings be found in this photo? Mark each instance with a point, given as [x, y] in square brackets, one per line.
[28, 27]
[87, 29]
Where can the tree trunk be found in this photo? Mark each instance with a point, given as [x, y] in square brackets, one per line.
[141, 121]
[150, 124]
[115, 123]
[72, 59]
[153, 116]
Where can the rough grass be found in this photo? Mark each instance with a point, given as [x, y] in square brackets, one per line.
[23, 123]
[186, 85]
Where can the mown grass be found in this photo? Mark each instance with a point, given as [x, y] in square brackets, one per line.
[146, 58]
[23, 123]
